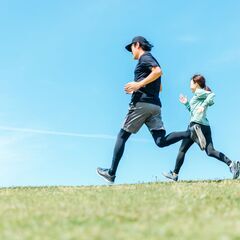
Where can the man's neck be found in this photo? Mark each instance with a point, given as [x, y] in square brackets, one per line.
[141, 53]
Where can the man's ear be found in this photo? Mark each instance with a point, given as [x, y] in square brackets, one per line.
[137, 45]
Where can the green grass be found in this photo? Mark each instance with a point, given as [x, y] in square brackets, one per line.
[183, 210]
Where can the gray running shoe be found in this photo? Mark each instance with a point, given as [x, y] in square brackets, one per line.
[171, 176]
[198, 137]
[104, 173]
[235, 169]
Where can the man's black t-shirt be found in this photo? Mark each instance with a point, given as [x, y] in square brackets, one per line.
[149, 93]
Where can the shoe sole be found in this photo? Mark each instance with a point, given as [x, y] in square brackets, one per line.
[238, 172]
[238, 165]
[166, 176]
[104, 177]
[201, 138]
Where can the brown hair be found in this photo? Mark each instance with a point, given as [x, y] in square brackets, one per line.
[201, 81]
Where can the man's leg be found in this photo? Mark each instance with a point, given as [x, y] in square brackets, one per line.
[134, 120]
[109, 174]
[162, 141]
[118, 150]
[136, 117]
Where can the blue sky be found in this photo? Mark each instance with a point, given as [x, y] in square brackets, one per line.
[63, 67]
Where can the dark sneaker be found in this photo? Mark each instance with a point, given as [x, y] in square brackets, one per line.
[171, 175]
[104, 173]
[198, 137]
[235, 169]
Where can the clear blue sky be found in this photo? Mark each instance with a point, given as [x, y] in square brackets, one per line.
[63, 67]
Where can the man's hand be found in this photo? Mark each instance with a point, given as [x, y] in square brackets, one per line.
[132, 87]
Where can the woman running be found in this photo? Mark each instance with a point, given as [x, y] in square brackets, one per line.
[203, 97]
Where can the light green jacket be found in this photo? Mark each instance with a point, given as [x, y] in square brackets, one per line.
[201, 98]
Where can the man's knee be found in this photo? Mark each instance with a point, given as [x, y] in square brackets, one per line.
[159, 143]
[162, 143]
[210, 152]
[124, 134]
[158, 136]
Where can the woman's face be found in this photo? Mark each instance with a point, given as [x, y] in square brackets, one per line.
[193, 86]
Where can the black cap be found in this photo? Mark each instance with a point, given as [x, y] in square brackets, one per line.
[141, 40]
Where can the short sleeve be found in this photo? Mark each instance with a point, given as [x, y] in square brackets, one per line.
[149, 62]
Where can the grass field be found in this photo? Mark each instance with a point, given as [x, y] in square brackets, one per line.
[183, 210]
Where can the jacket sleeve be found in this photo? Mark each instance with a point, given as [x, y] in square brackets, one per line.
[187, 105]
[209, 101]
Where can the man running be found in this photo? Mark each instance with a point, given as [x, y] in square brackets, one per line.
[145, 105]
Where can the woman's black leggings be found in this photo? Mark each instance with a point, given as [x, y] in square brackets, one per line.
[158, 135]
[188, 142]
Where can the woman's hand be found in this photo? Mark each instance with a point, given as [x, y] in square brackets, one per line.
[183, 99]
[200, 109]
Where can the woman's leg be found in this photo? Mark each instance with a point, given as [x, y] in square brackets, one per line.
[211, 152]
[186, 144]
[234, 166]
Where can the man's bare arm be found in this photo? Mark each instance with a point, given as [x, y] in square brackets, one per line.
[134, 86]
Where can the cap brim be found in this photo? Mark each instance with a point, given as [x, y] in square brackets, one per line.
[129, 47]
